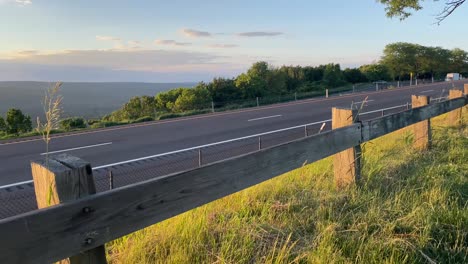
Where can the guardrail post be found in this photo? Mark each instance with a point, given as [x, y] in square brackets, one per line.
[260, 143]
[200, 160]
[111, 180]
[61, 179]
[347, 163]
[454, 117]
[422, 130]
[258, 103]
[326, 93]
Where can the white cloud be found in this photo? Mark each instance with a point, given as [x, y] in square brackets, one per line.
[260, 34]
[113, 59]
[18, 2]
[170, 42]
[193, 33]
[222, 46]
[107, 38]
[23, 2]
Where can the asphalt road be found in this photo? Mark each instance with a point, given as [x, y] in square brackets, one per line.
[120, 144]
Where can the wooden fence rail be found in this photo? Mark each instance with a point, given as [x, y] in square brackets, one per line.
[60, 231]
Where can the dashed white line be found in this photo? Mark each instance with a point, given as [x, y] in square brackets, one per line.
[428, 91]
[266, 117]
[84, 147]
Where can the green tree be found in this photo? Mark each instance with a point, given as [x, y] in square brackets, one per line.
[403, 8]
[3, 126]
[434, 60]
[250, 86]
[165, 100]
[17, 122]
[193, 99]
[222, 90]
[276, 82]
[458, 61]
[333, 76]
[402, 58]
[354, 76]
[375, 72]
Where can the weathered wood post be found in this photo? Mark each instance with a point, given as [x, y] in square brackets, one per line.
[421, 130]
[61, 179]
[347, 163]
[454, 117]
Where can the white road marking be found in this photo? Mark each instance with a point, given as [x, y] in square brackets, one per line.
[428, 91]
[363, 102]
[85, 147]
[261, 118]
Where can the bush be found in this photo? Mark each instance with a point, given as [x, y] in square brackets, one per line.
[188, 113]
[97, 125]
[72, 123]
[17, 122]
[93, 121]
[143, 119]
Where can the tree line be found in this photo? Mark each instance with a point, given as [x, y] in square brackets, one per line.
[400, 61]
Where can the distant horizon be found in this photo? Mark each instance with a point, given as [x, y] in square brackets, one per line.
[167, 42]
[181, 82]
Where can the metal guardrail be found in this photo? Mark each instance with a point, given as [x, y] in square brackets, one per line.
[20, 197]
[60, 231]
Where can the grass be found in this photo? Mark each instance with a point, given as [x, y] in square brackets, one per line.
[410, 207]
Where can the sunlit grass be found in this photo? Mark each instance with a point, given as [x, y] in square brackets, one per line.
[410, 207]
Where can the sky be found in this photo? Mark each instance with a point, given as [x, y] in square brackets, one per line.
[190, 41]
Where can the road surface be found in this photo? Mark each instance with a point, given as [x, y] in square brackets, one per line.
[120, 144]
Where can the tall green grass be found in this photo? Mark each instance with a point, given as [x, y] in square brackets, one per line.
[410, 207]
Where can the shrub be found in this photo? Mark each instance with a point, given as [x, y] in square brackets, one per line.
[72, 123]
[143, 119]
[17, 122]
[93, 121]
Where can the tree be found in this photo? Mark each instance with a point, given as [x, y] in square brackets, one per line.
[250, 86]
[17, 122]
[193, 99]
[222, 90]
[332, 76]
[458, 61]
[354, 76]
[403, 8]
[375, 72]
[434, 60]
[402, 58]
[165, 100]
[3, 126]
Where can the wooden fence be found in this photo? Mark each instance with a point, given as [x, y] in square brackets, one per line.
[82, 222]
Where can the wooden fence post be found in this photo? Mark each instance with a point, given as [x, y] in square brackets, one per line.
[422, 130]
[347, 163]
[454, 117]
[65, 178]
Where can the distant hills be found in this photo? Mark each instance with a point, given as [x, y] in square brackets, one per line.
[79, 99]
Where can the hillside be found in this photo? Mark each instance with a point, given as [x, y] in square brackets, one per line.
[409, 208]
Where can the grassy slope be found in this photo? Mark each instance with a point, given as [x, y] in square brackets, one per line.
[410, 208]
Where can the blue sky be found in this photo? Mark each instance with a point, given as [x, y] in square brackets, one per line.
[171, 41]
